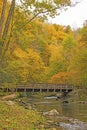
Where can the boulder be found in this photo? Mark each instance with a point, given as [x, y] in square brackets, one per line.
[53, 112]
[28, 107]
[10, 103]
[54, 129]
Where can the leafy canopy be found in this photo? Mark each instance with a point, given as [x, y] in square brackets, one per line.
[49, 7]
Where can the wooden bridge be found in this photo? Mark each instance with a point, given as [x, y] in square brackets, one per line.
[35, 87]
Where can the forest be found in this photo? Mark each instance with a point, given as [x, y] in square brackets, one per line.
[35, 51]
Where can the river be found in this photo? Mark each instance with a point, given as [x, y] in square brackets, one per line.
[74, 112]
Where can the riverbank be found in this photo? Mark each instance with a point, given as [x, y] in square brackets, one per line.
[16, 117]
[59, 116]
[79, 96]
[18, 111]
[82, 94]
[72, 112]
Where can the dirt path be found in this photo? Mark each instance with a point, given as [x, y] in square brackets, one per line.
[8, 97]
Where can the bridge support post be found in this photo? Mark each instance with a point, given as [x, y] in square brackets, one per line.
[7, 90]
[16, 89]
[25, 92]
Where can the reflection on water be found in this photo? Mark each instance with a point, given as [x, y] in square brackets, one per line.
[74, 110]
[67, 109]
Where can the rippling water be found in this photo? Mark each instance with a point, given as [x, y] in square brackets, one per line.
[74, 125]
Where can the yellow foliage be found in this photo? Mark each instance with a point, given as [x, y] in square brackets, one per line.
[1, 3]
[56, 52]
[19, 53]
[32, 54]
[52, 31]
[28, 65]
[61, 35]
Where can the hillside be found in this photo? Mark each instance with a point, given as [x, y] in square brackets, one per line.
[43, 52]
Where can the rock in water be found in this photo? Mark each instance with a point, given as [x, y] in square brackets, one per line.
[53, 112]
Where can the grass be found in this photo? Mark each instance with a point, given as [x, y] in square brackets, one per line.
[15, 117]
[82, 95]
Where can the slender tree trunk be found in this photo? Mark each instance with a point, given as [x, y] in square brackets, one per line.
[2, 24]
[2, 16]
[5, 32]
[8, 20]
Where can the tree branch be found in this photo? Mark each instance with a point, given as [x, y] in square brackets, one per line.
[46, 11]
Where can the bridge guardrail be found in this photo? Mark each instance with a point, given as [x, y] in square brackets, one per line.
[36, 85]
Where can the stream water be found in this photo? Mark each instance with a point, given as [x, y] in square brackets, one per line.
[72, 116]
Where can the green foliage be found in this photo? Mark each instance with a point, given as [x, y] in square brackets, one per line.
[54, 68]
[43, 8]
[1, 93]
[69, 42]
[79, 67]
[83, 33]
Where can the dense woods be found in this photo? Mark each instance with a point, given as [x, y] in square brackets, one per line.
[32, 50]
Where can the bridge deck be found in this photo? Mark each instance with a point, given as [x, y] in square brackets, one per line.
[36, 87]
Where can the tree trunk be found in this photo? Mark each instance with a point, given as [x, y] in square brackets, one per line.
[2, 16]
[5, 32]
[2, 23]
[8, 20]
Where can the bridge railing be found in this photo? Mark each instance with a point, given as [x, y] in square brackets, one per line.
[36, 85]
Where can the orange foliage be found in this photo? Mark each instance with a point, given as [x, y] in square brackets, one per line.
[61, 78]
[82, 44]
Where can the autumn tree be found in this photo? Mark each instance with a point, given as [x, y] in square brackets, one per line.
[32, 50]
[69, 45]
[61, 78]
[83, 36]
[31, 10]
[79, 59]
[42, 9]
[55, 60]
[79, 68]
[23, 67]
